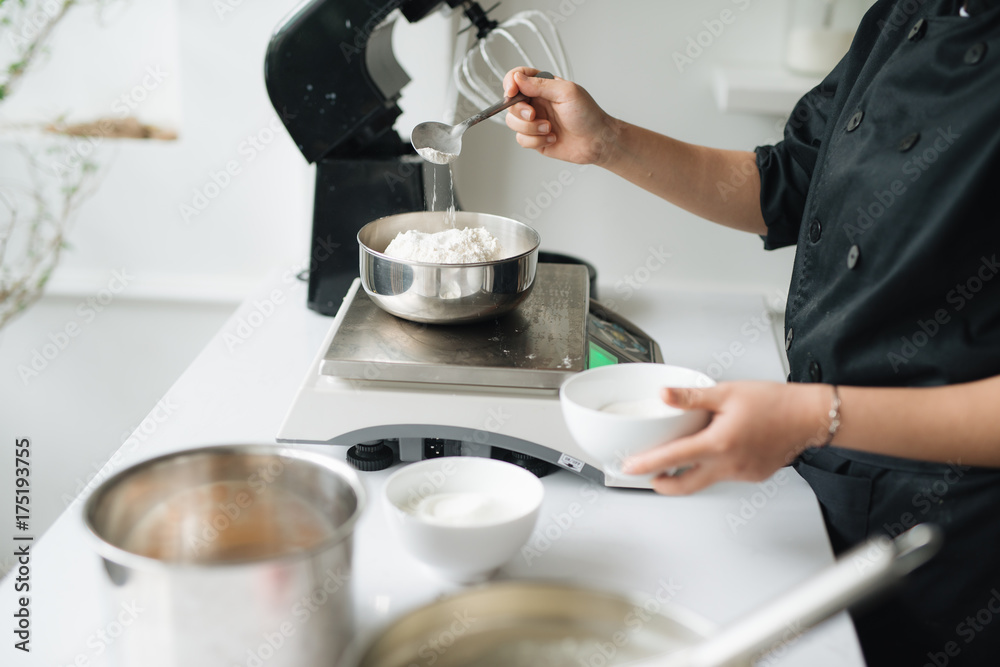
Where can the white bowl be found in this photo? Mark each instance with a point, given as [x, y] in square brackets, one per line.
[591, 400]
[463, 516]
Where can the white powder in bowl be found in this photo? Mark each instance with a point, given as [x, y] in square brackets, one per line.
[465, 509]
[452, 246]
[643, 407]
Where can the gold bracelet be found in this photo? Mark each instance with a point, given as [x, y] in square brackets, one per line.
[834, 415]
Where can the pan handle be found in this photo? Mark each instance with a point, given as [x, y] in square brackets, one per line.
[858, 575]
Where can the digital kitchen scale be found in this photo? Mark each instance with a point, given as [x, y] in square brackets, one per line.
[487, 389]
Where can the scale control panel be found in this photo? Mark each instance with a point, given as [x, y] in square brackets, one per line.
[611, 339]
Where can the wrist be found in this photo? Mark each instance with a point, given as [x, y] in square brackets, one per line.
[833, 416]
[814, 408]
[607, 143]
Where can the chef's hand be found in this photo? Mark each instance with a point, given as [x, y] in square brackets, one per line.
[756, 428]
[561, 120]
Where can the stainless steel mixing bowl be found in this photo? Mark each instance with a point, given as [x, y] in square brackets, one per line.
[448, 293]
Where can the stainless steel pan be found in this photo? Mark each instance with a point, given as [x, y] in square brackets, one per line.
[448, 293]
[533, 624]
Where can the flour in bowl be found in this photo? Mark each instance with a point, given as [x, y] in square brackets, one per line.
[466, 509]
[643, 407]
[452, 246]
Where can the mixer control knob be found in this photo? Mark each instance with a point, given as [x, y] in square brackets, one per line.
[371, 456]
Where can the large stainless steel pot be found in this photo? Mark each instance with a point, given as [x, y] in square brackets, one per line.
[229, 555]
[532, 624]
[448, 293]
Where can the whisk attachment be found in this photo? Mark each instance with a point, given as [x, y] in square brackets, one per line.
[526, 38]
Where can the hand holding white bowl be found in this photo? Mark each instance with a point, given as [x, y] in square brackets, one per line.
[614, 412]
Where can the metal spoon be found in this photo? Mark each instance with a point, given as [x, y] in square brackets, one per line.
[441, 143]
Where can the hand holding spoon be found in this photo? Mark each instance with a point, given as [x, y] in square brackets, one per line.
[441, 143]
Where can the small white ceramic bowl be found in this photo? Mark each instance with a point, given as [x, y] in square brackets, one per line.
[463, 516]
[614, 412]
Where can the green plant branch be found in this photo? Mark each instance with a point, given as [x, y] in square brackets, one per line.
[52, 211]
[17, 69]
[38, 217]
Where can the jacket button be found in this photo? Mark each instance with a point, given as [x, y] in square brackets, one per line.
[815, 372]
[856, 119]
[917, 31]
[908, 142]
[815, 230]
[788, 339]
[975, 53]
[853, 255]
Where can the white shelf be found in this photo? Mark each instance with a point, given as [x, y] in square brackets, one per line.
[762, 90]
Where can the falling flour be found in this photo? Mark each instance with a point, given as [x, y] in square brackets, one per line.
[450, 216]
[452, 246]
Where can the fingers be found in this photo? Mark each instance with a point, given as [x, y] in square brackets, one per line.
[532, 126]
[522, 111]
[535, 141]
[532, 132]
[548, 89]
[693, 398]
[682, 451]
[510, 86]
[696, 479]
[674, 454]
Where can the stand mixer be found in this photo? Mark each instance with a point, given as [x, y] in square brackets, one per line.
[333, 79]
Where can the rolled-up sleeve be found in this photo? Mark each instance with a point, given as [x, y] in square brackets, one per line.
[786, 168]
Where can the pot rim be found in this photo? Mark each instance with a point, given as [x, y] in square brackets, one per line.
[135, 561]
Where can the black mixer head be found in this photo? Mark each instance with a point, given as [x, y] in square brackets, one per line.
[333, 79]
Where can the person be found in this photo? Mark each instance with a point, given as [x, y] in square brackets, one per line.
[885, 181]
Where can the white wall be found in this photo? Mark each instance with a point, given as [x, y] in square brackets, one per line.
[95, 63]
[167, 210]
[622, 52]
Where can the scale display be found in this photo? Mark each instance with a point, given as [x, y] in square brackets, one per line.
[612, 340]
[597, 356]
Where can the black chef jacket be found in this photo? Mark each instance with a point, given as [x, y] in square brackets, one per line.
[887, 180]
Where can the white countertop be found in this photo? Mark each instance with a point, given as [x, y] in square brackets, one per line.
[723, 552]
